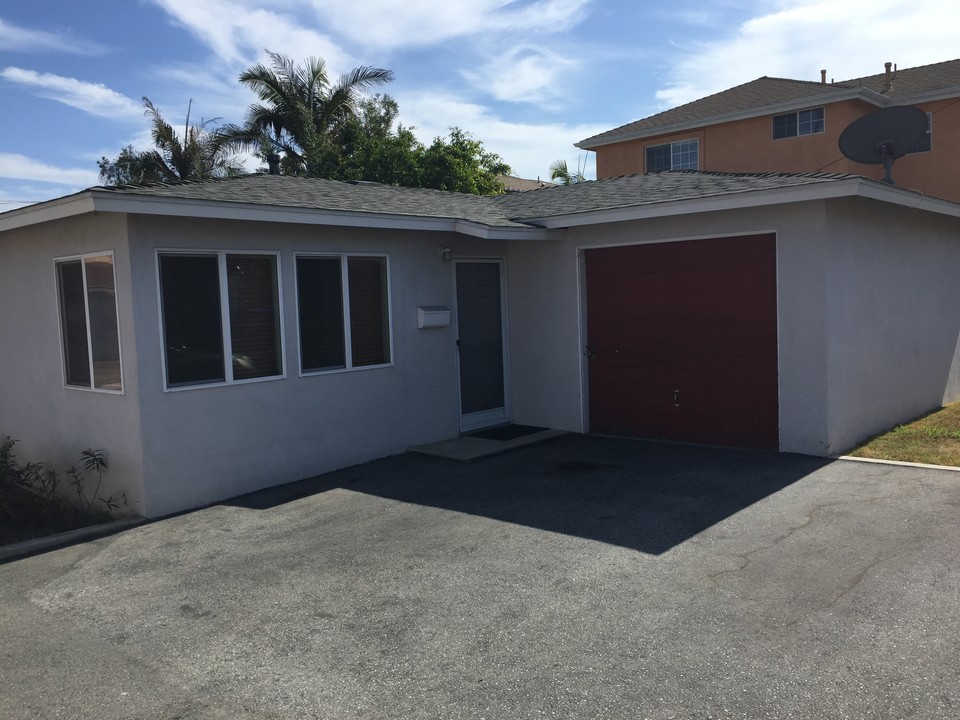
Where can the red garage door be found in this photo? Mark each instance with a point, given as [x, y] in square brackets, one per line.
[682, 341]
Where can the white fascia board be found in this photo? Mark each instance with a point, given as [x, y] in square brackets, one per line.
[47, 211]
[859, 93]
[180, 207]
[487, 232]
[912, 199]
[727, 201]
[929, 96]
[852, 187]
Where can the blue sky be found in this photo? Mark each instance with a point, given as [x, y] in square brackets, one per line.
[527, 77]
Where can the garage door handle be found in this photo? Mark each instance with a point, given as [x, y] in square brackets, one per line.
[676, 398]
[590, 351]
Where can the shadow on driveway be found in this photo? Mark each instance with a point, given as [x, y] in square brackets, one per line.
[647, 496]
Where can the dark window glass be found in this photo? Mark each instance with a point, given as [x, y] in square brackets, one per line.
[784, 126]
[805, 122]
[104, 335]
[254, 316]
[192, 330]
[73, 323]
[658, 158]
[925, 144]
[320, 302]
[369, 333]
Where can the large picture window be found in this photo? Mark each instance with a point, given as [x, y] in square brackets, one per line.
[86, 289]
[344, 315]
[680, 155]
[196, 291]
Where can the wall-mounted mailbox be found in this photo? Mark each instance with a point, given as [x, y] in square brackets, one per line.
[431, 316]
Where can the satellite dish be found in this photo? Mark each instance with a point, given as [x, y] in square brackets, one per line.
[882, 136]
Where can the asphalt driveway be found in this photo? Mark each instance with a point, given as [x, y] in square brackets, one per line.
[582, 577]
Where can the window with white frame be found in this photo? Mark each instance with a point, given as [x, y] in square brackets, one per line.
[219, 305]
[89, 332]
[344, 312]
[924, 144]
[679, 155]
[804, 122]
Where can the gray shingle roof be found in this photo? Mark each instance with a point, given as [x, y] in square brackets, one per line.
[647, 189]
[332, 195]
[512, 210]
[767, 92]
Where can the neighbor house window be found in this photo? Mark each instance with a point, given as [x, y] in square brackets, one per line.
[344, 315]
[680, 155]
[221, 317]
[86, 289]
[804, 122]
[925, 144]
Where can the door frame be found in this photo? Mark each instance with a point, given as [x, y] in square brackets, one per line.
[496, 416]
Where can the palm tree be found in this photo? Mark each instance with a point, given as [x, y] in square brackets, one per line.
[300, 110]
[202, 153]
[560, 172]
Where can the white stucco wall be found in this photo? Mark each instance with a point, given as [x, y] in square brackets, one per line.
[54, 423]
[205, 444]
[868, 306]
[893, 316]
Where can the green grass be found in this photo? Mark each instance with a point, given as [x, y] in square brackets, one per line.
[932, 439]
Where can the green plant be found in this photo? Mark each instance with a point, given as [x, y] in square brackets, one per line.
[91, 461]
[34, 476]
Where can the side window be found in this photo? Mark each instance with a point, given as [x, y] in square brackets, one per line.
[804, 122]
[195, 291]
[924, 144]
[86, 289]
[680, 155]
[344, 316]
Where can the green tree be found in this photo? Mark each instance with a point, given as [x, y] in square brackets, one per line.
[462, 164]
[300, 112]
[367, 146]
[202, 152]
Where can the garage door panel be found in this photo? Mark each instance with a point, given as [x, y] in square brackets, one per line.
[624, 378]
[697, 401]
[683, 340]
[738, 432]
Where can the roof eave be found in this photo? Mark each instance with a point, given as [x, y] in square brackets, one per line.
[64, 207]
[113, 202]
[859, 93]
[850, 187]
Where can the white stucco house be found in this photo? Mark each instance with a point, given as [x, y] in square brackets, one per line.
[222, 336]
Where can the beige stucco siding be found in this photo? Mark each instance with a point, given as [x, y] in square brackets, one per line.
[54, 423]
[748, 146]
[208, 443]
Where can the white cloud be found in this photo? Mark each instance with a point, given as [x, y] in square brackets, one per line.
[387, 24]
[22, 39]
[529, 148]
[848, 39]
[523, 74]
[238, 31]
[21, 167]
[93, 98]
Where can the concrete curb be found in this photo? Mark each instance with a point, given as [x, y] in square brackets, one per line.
[50, 542]
[902, 463]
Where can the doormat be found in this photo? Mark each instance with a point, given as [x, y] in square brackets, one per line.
[506, 432]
